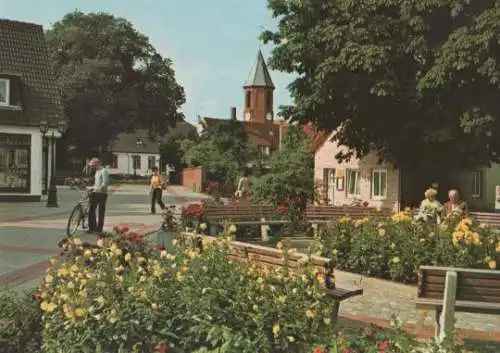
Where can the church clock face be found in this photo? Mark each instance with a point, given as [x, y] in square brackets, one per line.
[247, 116]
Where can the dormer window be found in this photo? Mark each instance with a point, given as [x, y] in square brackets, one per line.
[4, 91]
[10, 91]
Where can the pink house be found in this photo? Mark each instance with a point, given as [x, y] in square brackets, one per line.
[358, 180]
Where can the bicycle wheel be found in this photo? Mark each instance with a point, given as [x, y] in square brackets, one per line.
[75, 218]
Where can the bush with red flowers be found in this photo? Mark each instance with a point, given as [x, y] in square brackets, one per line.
[192, 214]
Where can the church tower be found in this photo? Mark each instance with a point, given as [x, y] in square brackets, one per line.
[259, 93]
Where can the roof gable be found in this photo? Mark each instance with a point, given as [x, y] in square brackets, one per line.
[24, 55]
[140, 141]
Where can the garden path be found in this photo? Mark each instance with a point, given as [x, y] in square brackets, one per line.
[382, 299]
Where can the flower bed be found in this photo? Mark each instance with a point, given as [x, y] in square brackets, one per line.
[395, 247]
[121, 295]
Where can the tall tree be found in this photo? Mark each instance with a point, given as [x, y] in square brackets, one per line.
[415, 81]
[112, 80]
[291, 172]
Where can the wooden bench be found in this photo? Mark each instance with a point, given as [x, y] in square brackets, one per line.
[447, 290]
[322, 214]
[274, 258]
[243, 213]
[491, 218]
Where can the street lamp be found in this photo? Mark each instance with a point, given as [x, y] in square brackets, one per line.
[51, 188]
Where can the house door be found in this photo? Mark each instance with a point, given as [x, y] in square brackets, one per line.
[329, 183]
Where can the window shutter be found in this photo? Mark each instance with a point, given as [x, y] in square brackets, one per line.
[15, 97]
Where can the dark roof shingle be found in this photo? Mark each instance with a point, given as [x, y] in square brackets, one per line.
[23, 53]
[127, 142]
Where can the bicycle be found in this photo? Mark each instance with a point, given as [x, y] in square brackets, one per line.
[80, 212]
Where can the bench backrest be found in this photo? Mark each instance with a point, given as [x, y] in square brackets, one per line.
[472, 285]
[275, 258]
[487, 217]
[325, 212]
[239, 211]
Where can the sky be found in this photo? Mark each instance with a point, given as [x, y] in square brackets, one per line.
[212, 43]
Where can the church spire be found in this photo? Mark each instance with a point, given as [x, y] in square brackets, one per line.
[259, 75]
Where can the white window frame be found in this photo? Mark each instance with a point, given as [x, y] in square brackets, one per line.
[379, 171]
[477, 184]
[357, 189]
[7, 91]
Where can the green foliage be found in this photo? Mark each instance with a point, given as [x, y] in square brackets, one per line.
[20, 323]
[414, 81]
[290, 171]
[396, 247]
[112, 80]
[223, 150]
[171, 152]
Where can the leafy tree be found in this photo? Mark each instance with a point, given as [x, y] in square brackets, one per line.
[171, 152]
[112, 80]
[223, 150]
[415, 81]
[291, 172]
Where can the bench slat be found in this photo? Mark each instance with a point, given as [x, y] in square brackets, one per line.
[460, 305]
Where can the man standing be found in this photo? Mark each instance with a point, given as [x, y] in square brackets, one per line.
[98, 197]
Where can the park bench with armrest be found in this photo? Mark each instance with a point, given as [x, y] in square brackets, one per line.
[274, 258]
[448, 290]
[321, 214]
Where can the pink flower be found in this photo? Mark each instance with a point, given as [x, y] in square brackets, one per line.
[161, 348]
[383, 346]
[320, 349]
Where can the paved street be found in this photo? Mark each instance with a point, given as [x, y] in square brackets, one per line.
[29, 232]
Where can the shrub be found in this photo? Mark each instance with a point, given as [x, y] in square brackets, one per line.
[20, 323]
[396, 247]
[125, 297]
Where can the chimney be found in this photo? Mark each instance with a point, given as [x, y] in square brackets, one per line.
[232, 114]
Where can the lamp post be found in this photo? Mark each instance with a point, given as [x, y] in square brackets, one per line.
[50, 186]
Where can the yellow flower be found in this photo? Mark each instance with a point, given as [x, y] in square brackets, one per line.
[141, 260]
[395, 260]
[310, 314]
[476, 240]
[498, 247]
[154, 306]
[53, 261]
[279, 245]
[79, 312]
[344, 219]
[101, 300]
[62, 272]
[100, 243]
[232, 229]
[276, 330]
[128, 257]
[77, 241]
[49, 279]
[203, 226]
[492, 264]
[112, 319]
[290, 338]
[381, 232]
[48, 306]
